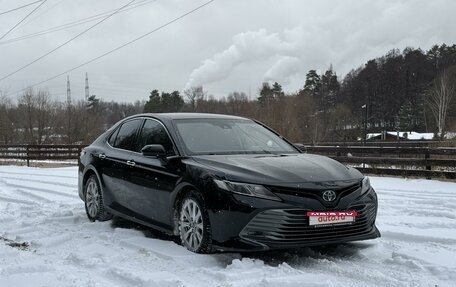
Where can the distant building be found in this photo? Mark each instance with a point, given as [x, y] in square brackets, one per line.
[393, 136]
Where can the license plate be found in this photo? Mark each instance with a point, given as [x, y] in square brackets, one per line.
[328, 218]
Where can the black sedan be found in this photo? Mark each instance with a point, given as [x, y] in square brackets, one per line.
[223, 183]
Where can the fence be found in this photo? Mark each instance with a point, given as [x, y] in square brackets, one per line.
[40, 152]
[401, 143]
[422, 161]
[403, 161]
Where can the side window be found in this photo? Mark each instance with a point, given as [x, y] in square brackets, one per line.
[112, 138]
[125, 138]
[154, 133]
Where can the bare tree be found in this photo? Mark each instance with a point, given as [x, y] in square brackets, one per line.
[37, 111]
[194, 95]
[44, 114]
[235, 102]
[439, 99]
[27, 106]
[85, 124]
[6, 123]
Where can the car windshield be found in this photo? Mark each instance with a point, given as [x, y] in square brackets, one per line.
[229, 136]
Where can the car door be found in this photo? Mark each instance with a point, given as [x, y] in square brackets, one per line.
[117, 165]
[152, 178]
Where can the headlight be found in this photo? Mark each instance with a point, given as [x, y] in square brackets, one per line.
[365, 186]
[246, 189]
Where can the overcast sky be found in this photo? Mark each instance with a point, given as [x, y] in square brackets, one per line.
[229, 45]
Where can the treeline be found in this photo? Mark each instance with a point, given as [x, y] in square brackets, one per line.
[412, 90]
[35, 118]
[398, 88]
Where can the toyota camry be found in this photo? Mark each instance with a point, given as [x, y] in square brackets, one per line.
[223, 183]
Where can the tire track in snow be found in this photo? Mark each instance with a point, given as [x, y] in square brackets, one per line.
[56, 183]
[418, 238]
[35, 196]
[53, 192]
[41, 175]
[16, 200]
[400, 192]
[359, 266]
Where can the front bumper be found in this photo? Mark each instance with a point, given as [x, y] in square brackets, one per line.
[253, 224]
[289, 228]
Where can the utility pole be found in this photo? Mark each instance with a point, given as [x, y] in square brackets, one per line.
[365, 107]
[68, 110]
[68, 92]
[365, 124]
[87, 87]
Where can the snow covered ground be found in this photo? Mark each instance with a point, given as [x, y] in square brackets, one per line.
[40, 206]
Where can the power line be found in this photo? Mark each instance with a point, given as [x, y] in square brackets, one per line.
[73, 23]
[20, 7]
[121, 46]
[23, 19]
[138, 3]
[65, 43]
[42, 13]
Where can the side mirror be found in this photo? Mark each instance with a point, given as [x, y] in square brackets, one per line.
[156, 150]
[301, 147]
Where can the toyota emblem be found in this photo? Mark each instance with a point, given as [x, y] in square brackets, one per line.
[329, 195]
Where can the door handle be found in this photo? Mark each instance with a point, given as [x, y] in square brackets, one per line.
[131, 163]
[101, 156]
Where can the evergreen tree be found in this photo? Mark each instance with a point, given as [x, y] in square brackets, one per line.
[277, 91]
[328, 90]
[313, 82]
[171, 102]
[153, 105]
[266, 95]
[164, 103]
[406, 117]
[93, 104]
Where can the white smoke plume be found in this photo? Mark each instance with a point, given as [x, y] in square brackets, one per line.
[283, 68]
[247, 47]
[347, 34]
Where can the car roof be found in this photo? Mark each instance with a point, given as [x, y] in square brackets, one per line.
[175, 116]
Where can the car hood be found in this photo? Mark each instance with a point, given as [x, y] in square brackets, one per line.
[289, 169]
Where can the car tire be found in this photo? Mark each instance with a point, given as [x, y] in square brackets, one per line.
[194, 224]
[93, 199]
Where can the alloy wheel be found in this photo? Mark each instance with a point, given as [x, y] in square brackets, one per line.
[92, 199]
[191, 224]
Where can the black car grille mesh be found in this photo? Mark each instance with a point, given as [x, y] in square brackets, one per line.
[291, 226]
[313, 194]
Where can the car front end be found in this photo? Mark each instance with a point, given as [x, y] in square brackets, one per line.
[262, 217]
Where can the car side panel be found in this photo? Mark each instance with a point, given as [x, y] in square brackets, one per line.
[152, 184]
[115, 174]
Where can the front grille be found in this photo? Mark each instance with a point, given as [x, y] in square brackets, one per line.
[291, 226]
[317, 194]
